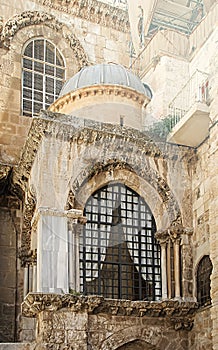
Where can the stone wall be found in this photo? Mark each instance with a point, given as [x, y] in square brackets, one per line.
[205, 222]
[81, 34]
[200, 337]
[78, 322]
[10, 230]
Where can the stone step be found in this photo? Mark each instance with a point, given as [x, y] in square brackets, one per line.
[17, 346]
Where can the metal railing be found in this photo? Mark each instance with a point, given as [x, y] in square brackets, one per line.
[195, 90]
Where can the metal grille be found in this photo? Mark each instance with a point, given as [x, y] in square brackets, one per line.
[203, 281]
[119, 256]
[43, 76]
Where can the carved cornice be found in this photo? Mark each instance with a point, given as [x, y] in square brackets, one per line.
[98, 90]
[179, 313]
[92, 11]
[28, 18]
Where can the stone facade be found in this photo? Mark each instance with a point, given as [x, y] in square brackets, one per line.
[52, 163]
[108, 324]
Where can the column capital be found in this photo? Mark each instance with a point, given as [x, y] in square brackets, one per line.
[174, 232]
[162, 236]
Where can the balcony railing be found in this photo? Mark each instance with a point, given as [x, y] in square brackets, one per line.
[195, 90]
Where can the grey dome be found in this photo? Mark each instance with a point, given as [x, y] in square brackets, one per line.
[105, 74]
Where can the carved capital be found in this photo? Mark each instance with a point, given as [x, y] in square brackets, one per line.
[174, 232]
[162, 236]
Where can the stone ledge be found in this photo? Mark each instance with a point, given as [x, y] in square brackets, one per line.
[180, 313]
[17, 346]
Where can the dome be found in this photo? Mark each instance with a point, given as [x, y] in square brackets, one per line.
[105, 74]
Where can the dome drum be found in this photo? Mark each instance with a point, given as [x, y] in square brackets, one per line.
[104, 93]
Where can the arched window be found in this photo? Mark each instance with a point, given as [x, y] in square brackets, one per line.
[43, 74]
[119, 255]
[203, 281]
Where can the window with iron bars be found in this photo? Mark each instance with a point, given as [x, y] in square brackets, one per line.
[43, 75]
[119, 255]
[203, 281]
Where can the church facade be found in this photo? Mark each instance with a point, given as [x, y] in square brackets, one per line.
[108, 183]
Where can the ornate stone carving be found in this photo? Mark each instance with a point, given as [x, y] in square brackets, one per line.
[73, 96]
[28, 18]
[179, 313]
[25, 253]
[24, 19]
[4, 172]
[174, 232]
[93, 11]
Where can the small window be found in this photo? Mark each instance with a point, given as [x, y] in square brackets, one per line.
[43, 75]
[203, 281]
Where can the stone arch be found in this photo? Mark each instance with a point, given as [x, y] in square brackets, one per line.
[23, 27]
[116, 341]
[36, 18]
[105, 156]
[136, 345]
[132, 180]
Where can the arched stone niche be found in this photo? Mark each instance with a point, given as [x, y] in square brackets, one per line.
[147, 337]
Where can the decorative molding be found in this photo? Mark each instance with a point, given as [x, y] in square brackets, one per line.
[178, 312]
[74, 214]
[90, 91]
[28, 18]
[174, 232]
[4, 172]
[93, 11]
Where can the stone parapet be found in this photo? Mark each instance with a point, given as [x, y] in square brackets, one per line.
[180, 313]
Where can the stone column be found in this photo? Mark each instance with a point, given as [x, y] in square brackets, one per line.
[169, 282]
[162, 237]
[177, 268]
[25, 281]
[30, 284]
[75, 228]
[34, 288]
[164, 269]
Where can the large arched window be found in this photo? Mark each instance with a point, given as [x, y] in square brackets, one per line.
[119, 256]
[43, 74]
[203, 281]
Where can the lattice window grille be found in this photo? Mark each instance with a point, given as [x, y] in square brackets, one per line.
[119, 255]
[43, 75]
[203, 281]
